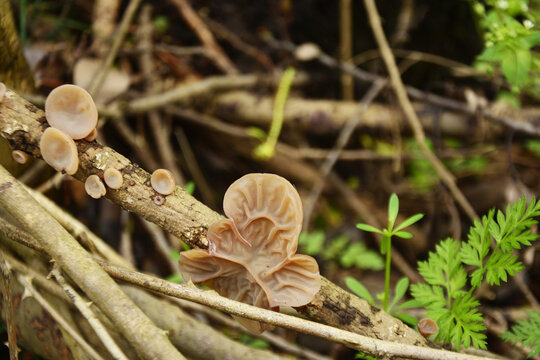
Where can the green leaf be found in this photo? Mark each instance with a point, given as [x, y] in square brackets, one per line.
[409, 304]
[393, 208]
[335, 247]
[190, 187]
[312, 243]
[526, 332]
[360, 290]
[369, 260]
[358, 255]
[406, 318]
[515, 66]
[257, 133]
[369, 228]
[401, 288]
[409, 221]
[175, 278]
[403, 234]
[175, 255]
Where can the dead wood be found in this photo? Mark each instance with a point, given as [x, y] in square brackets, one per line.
[182, 215]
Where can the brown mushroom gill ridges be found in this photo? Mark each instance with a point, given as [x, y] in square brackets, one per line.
[251, 255]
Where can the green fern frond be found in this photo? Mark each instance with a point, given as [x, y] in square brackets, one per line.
[526, 332]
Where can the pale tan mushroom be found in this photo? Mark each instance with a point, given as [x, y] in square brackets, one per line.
[19, 156]
[94, 187]
[92, 136]
[113, 178]
[162, 181]
[3, 90]
[251, 255]
[59, 151]
[71, 109]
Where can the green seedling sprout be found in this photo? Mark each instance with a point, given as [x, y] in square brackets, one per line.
[386, 242]
[266, 150]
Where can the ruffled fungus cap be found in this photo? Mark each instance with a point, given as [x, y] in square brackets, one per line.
[59, 151]
[251, 254]
[71, 109]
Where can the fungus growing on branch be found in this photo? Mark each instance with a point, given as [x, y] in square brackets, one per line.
[92, 136]
[94, 187]
[251, 254]
[113, 178]
[162, 181]
[59, 151]
[3, 90]
[71, 109]
[19, 156]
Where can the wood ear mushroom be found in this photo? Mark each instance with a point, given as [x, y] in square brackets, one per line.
[251, 255]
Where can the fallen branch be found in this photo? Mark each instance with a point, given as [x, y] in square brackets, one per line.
[182, 215]
[149, 341]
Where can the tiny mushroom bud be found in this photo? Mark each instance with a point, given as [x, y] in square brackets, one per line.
[94, 187]
[162, 181]
[92, 136]
[19, 156]
[59, 151]
[427, 327]
[113, 178]
[71, 109]
[307, 51]
[3, 90]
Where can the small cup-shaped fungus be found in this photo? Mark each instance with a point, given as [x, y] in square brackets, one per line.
[113, 178]
[251, 254]
[92, 136]
[94, 187]
[162, 181]
[427, 327]
[19, 156]
[59, 151]
[3, 90]
[71, 109]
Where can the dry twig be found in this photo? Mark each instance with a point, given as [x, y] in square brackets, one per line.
[407, 106]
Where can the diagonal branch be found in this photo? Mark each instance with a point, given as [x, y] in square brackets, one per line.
[401, 92]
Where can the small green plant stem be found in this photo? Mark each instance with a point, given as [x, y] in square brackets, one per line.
[387, 279]
[266, 150]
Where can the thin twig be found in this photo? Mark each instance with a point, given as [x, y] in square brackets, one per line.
[349, 339]
[26, 281]
[194, 168]
[85, 310]
[125, 247]
[519, 126]
[233, 39]
[333, 155]
[160, 131]
[206, 37]
[138, 145]
[53, 182]
[162, 244]
[270, 337]
[99, 78]
[407, 106]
